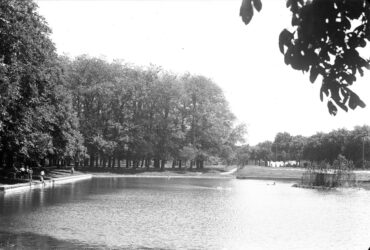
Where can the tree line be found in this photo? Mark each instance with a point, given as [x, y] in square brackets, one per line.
[86, 111]
[353, 144]
[141, 115]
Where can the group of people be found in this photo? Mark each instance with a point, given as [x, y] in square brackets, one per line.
[22, 172]
[25, 172]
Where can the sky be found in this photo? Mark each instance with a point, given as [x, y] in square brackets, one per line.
[207, 37]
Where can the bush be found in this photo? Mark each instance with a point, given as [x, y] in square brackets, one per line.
[325, 175]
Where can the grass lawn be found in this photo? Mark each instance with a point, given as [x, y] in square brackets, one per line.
[257, 172]
[269, 173]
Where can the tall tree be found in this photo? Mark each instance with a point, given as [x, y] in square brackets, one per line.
[282, 146]
[297, 145]
[209, 118]
[31, 84]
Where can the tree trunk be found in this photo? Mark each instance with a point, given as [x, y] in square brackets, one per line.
[9, 160]
[201, 164]
[134, 164]
[104, 161]
[1, 159]
[91, 160]
[156, 163]
[109, 161]
[98, 156]
[43, 163]
[163, 163]
[147, 163]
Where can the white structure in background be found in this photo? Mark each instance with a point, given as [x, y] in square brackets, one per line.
[277, 164]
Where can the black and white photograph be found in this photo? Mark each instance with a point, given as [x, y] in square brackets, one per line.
[185, 124]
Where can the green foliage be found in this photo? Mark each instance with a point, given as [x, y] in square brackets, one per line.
[36, 118]
[62, 109]
[243, 154]
[320, 149]
[325, 40]
[133, 112]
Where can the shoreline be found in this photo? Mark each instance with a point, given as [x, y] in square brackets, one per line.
[5, 188]
[107, 175]
[86, 174]
[253, 172]
[267, 178]
[246, 173]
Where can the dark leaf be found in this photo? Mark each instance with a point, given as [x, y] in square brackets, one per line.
[246, 11]
[257, 4]
[354, 101]
[284, 39]
[324, 90]
[332, 108]
[342, 106]
[295, 20]
[288, 3]
[361, 71]
[354, 8]
[313, 74]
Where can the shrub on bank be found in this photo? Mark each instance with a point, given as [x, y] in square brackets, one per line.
[340, 173]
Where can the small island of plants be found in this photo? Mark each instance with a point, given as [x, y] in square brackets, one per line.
[338, 174]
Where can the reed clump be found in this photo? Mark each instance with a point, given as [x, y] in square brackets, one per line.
[338, 174]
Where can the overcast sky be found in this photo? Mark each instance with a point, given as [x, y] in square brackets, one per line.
[207, 37]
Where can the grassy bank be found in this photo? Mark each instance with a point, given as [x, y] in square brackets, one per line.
[269, 173]
[294, 174]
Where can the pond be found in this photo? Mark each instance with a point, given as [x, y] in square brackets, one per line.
[184, 213]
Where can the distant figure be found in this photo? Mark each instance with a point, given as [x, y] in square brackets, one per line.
[23, 172]
[42, 173]
[30, 172]
[72, 170]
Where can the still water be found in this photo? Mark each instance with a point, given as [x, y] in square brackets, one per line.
[161, 213]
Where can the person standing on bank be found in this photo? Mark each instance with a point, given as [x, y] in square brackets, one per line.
[23, 172]
[42, 173]
[30, 172]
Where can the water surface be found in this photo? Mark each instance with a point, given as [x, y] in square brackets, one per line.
[162, 213]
